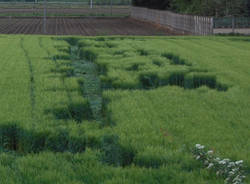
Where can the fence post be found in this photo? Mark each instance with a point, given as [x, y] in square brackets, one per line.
[197, 25]
[233, 24]
[45, 17]
[206, 27]
[91, 4]
[203, 26]
[111, 7]
[212, 25]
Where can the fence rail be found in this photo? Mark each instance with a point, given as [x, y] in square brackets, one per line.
[69, 9]
[185, 23]
[232, 22]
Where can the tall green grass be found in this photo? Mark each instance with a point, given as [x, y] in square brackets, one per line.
[160, 96]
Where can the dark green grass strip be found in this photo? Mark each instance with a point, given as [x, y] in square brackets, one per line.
[85, 68]
[91, 86]
[32, 80]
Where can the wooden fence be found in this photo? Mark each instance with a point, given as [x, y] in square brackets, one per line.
[196, 25]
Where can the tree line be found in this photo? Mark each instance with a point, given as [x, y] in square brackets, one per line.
[217, 8]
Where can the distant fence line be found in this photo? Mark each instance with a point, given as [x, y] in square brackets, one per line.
[196, 25]
[235, 25]
[232, 22]
[68, 9]
[95, 2]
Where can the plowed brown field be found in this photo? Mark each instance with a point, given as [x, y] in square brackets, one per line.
[81, 26]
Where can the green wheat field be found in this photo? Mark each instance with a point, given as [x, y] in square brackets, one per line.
[121, 110]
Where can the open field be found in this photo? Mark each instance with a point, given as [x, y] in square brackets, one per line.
[81, 26]
[124, 110]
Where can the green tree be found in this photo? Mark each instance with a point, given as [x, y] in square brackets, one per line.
[216, 8]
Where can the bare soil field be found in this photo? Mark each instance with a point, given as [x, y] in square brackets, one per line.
[81, 26]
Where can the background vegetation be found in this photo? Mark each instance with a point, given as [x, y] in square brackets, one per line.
[200, 7]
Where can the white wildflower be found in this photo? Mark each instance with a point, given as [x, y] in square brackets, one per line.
[210, 165]
[201, 147]
[239, 162]
[235, 170]
[197, 145]
[236, 178]
[210, 152]
[231, 164]
[217, 159]
[198, 157]
[232, 171]
[222, 162]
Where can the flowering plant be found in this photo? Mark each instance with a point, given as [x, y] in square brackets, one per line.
[233, 172]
